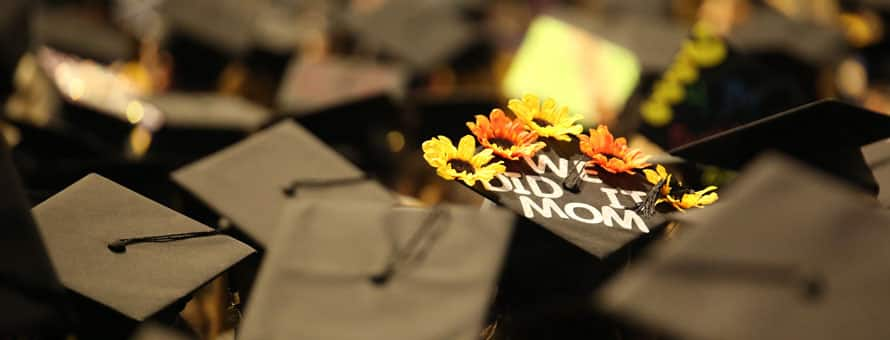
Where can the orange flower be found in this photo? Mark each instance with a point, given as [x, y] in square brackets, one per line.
[505, 137]
[610, 153]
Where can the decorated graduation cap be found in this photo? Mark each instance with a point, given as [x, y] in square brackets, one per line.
[877, 155]
[249, 182]
[424, 34]
[710, 87]
[791, 254]
[127, 258]
[589, 189]
[29, 287]
[341, 269]
[827, 134]
[592, 76]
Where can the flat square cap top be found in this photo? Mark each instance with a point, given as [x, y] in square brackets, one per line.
[827, 134]
[790, 254]
[80, 221]
[321, 278]
[246, 182]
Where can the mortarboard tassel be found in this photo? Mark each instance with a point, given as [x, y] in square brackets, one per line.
[120, 245]
[291, 189]
[646, 208]
[427, 231]
[572, 182]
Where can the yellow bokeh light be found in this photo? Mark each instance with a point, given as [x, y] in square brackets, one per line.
[140, 141]
[396, 140]
[135, 112]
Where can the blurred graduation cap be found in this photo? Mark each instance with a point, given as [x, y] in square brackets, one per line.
[249, 182]
[596, 214]
[127, 258]
[712, 86]
[425, 34]
[342, 269]
[877, 155]
[350, 104]
[74, 31]
[204, 36]
[203, 122]
[14, 28]
[29, 288]
[593, 76]
[155, 331]
[791, 254]
[827, 134]
[767, 31]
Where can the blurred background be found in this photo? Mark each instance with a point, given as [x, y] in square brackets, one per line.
[133, 89]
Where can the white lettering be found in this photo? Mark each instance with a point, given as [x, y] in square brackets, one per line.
[504, 186]
[579, 166]
[636, 195]
[613, 197]
[595, 218]
[630, 217]
[517, 184]
[544, 162]
[555, 189]
[549, 207]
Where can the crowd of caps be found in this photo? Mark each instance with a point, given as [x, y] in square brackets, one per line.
[213, 168]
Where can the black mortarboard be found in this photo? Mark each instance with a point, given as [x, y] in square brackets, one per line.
[767, 31]
[249, 182]
[598, 216]
[203, 122]
[29, 289]
[154, 331]
[14, 27]
[349, 104]
[827, 134]
[204, 36]
[76, 32]
[791, 254]
[423, 33]
[115, 249]
[712, 86]
[342, 269]
[877, 156]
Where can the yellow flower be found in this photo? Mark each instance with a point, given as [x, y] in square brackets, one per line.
[655, 176]
[697, 199]
[546, 118]
[462, 162]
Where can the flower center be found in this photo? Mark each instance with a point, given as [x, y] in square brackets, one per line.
[503, 143]
[460, 165]
[541, 122]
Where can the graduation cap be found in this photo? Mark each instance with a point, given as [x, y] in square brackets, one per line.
[29, 288]
[249, 182]
[127, 258]
[14, 27]
[593, 76]
[203, 122]
[711, 86]
[767, 31]
[877, 155]
[155, 331]
[596, 213]
[342, 269]
[827, 134]
[204, 36]
[791, 254]
[350, 104]
[73, 31]
[425, 34]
